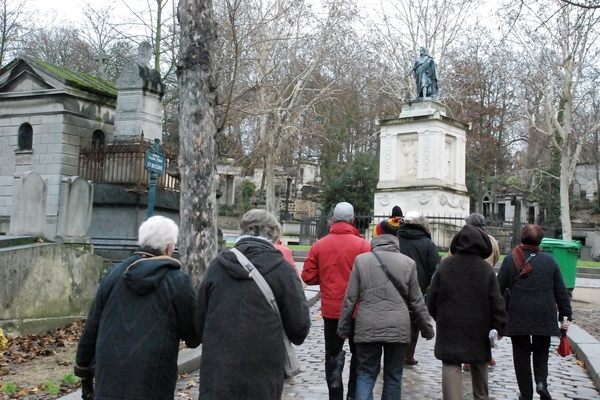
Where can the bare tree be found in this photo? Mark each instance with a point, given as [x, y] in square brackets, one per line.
[12, 26]
[403, 26]
[558, 45]
[61, 46]
[274, 51]
[480, 90]
[198, 203]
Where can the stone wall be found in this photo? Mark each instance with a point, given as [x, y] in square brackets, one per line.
[45, 286]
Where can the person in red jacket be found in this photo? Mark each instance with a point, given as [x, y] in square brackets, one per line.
[329, 264]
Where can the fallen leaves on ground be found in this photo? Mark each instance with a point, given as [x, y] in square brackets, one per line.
[25, 348]
[28, 360]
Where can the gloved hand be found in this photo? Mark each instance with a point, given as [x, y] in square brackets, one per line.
[87, 388]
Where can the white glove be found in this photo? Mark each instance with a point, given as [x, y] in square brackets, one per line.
[494, 338]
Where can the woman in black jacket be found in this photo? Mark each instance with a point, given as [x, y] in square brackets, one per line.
[536, 290]
[415, 242]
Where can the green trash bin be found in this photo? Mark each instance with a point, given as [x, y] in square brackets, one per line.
[566, 254]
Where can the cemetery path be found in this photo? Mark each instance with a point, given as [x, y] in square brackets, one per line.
[39, 365]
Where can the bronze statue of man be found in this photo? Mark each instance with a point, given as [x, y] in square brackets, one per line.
[425, 70]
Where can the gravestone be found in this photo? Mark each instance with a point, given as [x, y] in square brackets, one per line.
[75, 210]
[139, 102]
[28, 212]
[422, 162]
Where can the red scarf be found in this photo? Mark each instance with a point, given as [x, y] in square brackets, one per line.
[519, 258]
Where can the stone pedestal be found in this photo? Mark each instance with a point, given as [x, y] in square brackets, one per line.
[139, 102]
[422, 162]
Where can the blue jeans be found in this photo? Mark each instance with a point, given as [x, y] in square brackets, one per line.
[369, 362]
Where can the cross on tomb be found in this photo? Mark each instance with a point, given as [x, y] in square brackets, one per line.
[101, 59]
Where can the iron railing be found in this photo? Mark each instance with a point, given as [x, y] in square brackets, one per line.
[123, 163]
[442, 230]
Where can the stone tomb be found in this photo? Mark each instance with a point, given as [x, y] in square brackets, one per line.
[422, 162]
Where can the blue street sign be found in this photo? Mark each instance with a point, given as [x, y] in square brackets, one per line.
[154, 162]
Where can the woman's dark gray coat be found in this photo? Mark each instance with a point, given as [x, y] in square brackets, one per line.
[465, 301]
[242, 345]
[532, 309]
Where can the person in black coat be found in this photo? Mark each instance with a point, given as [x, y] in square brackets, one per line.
[243, 353]
[415, 242]
[143, 308]
[536, 289]
[465, 301]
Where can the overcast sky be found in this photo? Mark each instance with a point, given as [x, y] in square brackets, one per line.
[70, 10]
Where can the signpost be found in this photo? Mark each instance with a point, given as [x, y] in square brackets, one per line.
[154, 162]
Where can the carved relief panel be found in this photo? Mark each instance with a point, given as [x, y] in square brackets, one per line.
[408, 156]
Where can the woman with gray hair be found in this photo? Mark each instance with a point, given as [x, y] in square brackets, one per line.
[242, 349]
[143, 308]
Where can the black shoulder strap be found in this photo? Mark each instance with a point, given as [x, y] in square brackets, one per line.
[393, 279]
[519, 273]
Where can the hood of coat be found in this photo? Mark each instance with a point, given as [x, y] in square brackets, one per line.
[385, 242]
[471, 240]
[413, 231]
[261, 253]
[343, 228]
[144, 275]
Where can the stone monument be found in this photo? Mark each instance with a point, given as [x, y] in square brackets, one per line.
[139, 102]
[422, 154]
[75, 210]
[28, 216]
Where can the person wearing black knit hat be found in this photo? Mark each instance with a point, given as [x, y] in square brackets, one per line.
[389, 226]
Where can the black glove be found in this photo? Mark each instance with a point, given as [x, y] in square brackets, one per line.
[87, 389]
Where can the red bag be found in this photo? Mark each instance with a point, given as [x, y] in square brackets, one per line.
[564, 348]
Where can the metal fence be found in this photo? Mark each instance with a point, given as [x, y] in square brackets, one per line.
[442, 230]
[122, 163]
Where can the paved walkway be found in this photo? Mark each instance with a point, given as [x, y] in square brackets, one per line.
[568, 380]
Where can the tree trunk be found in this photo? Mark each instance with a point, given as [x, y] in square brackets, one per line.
[197, 129]
[271, 199]
[565, 213]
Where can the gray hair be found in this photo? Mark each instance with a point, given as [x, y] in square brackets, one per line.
[260, 223]
[421, 220]
[158, 233]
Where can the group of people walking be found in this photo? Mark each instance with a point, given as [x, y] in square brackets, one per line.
[395, 287]
[379, 296]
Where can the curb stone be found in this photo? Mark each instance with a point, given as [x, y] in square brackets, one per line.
[587, 349]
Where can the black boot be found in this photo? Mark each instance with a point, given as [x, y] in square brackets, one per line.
[542, 389]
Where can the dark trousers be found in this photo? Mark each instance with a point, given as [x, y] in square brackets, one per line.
[333, 346]
[523, 347]
[369, 365]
